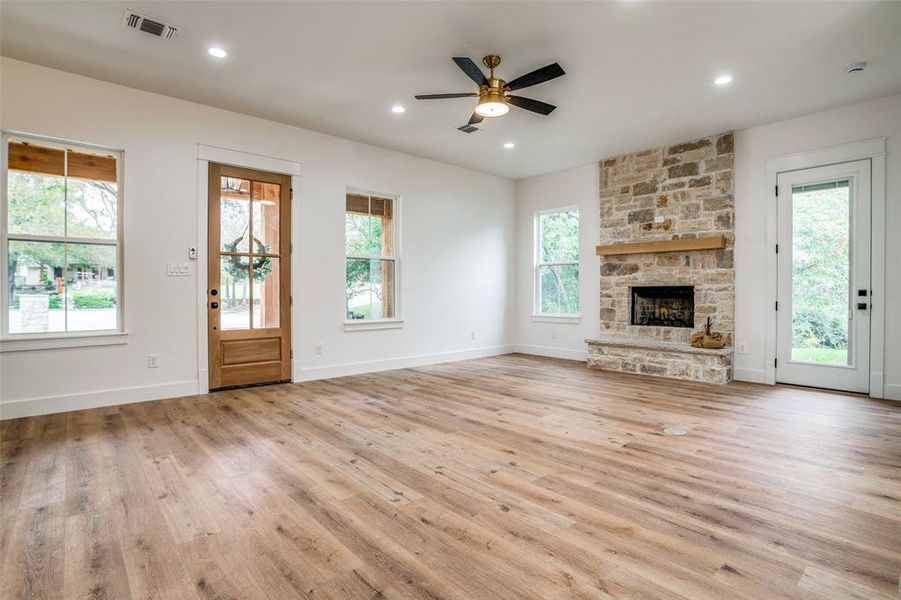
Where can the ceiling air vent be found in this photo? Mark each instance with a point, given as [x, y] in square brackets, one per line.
[154, 27]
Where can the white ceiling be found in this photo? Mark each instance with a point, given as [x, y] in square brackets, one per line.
[639, 73]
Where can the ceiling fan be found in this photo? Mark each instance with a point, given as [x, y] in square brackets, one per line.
[494, 100]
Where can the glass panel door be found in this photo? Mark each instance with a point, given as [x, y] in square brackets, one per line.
[249, 270]
[823, 291]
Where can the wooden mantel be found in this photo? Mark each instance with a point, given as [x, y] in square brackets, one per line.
[709, 242]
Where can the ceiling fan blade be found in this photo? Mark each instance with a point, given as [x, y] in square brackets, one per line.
[468, 128]
[475, 118]
[537, 76]
[440, 96]
[471, 69]
[542, 108]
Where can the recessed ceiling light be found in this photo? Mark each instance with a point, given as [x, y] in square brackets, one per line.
[397, 108]
[509, 145]
[218, 52]
[723, 79]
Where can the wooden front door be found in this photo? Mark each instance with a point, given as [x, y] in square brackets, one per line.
[248, 296]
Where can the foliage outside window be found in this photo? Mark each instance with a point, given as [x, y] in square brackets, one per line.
[370, 228]
[62, 240]
[557, 262]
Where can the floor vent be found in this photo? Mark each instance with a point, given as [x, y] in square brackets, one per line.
[148, 25]
[674, 431]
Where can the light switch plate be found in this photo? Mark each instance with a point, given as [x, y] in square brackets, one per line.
[178, 270]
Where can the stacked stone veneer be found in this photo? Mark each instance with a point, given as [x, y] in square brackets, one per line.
[679, 191]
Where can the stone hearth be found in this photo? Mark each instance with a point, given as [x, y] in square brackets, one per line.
[665, 359]
[674, 192]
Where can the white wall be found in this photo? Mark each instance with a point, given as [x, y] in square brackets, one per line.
[572, 187]
[878, 118]
[458, 245]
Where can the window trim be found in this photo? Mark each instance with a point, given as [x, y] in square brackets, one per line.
[537, 263]
[61, 339]
[397, 321]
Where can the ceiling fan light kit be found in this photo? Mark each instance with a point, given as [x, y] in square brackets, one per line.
[494, 100]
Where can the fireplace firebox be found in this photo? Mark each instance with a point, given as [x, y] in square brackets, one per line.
[663, 305]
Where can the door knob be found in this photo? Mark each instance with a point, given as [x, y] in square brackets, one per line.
[214, 292]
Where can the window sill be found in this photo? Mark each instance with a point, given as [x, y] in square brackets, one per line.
[572, 319]
[364, 325]
[25, 342]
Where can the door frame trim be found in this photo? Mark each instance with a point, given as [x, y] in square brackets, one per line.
[873, 150]
[216, 154]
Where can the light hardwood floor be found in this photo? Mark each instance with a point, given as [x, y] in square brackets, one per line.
[507, 477]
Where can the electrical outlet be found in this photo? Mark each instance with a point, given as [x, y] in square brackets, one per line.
[153, 361]
[472, 335]
[741, 348]
[192, 252]
[318, 348]
[178, 270]
[658, 219]
[554, 334]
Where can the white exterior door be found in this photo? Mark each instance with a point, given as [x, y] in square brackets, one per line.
[823, 304]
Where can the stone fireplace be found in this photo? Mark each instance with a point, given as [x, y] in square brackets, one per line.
[667, 235]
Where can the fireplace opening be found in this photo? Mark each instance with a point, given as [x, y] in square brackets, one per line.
[664, 305]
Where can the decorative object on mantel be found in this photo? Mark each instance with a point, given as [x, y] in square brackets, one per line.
[708, 242]
[707, 339]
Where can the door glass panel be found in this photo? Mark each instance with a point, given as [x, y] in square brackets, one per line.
[234, 214]
[234, 293]
[265, 217]
[91, 287]
[37, 298]
[265, 292]
[821, 272]
[369, 288]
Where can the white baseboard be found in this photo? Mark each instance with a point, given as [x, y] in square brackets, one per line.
[404, 362]
[553, 352]
[30, 407]
[751, 375]
[891, 391]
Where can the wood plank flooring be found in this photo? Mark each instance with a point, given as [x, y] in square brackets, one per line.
[505, 477]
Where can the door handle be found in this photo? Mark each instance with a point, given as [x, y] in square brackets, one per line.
[214, 305]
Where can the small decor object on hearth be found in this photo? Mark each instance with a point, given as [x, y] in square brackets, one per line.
[706, 339]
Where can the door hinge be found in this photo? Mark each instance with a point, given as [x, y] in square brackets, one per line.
[777, 248]
[290, 300]
[775, 363]
[290, 247]
[291, 193]
[291, 352]
[777, 305]
[777, 190]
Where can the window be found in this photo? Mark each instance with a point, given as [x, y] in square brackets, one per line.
[370, 228]
[61, 242]
[557, 263]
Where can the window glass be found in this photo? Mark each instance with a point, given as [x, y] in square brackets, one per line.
[557, 263]
[370, 266]
[62, 241]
